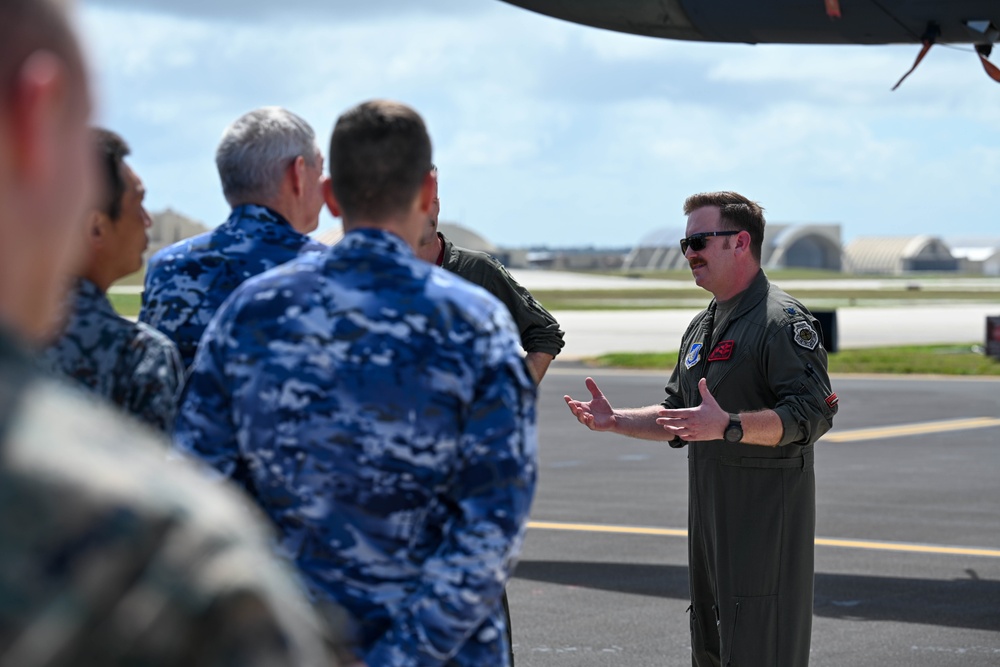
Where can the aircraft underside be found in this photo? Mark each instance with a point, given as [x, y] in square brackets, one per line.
[785, 21]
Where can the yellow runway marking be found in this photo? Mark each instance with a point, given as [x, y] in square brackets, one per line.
[911, 429]
[820, 541]
[595, 528]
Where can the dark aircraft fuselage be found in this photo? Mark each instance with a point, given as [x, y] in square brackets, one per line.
[784, 21]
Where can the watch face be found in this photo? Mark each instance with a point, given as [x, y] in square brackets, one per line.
[734, 433]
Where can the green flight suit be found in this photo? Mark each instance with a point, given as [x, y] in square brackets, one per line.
[539, 330]
[752, 509]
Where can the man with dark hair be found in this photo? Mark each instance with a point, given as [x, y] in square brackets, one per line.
[381, 411]
[128, 363]
[751, 395]
[272, 177]
[541, 337]
[109, 554]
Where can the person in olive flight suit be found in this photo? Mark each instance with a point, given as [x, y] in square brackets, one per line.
[541, 337]
[751, 395]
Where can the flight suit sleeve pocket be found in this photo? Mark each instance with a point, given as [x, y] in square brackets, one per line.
[822, 395]
[807, 409]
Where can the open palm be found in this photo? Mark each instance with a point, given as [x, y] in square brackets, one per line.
[597, 413]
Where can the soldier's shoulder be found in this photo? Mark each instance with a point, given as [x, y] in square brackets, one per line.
[94, 494]
[183, 249]
[479, 308]
[149, 336]
[783, 308]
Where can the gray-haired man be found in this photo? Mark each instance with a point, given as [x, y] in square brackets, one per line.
[272, 175]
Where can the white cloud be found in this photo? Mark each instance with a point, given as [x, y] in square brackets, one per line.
[548, 132]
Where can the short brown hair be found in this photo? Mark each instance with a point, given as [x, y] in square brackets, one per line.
[380, 153]
[28, 26]
[736, 212]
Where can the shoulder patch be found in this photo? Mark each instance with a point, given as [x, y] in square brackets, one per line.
[693, 356]
[806, 336]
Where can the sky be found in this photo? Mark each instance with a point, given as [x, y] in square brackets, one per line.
[552, 134]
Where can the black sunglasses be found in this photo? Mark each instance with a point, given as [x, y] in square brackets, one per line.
[697, 242]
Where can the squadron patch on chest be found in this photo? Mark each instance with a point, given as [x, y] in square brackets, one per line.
[693, 356]
[806, 336]
[722, 351]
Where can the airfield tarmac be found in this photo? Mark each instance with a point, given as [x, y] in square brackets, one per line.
[908, 532]
[908, 527]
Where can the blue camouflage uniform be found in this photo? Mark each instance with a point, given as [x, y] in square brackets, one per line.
[129, 363]
[378, 409]
[188, 281]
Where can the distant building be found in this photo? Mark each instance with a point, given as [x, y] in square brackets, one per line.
[456, 233]
[567, 259]
[805, 246]
[169, 227]
[894, 255]
[977, 255]
[658, 250]
[802, 246]
[330, 236]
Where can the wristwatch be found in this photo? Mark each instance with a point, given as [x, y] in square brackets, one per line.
[734, 432]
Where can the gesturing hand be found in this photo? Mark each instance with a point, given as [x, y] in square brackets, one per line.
[597, 413]
[708, 421]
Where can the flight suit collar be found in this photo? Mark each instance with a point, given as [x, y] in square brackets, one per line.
[449, 258]
[754, 294]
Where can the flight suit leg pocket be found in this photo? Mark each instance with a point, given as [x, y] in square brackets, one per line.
[704, 639]
[749, 529]
[751, 640]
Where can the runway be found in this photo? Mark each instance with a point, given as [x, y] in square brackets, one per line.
[908, 549]
[595, 332]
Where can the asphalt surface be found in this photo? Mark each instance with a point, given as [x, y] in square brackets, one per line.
[908, 560]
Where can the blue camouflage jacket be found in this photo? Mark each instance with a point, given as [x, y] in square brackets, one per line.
[188, 281]
[378, 409]
[129, 363]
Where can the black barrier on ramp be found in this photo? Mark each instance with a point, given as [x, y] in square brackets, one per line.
[993, 336]
[828, 324]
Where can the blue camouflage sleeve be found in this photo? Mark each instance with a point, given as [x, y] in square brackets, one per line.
[489, 500]
[158, 379]
[204, 427]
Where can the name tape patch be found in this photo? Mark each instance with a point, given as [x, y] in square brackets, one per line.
[722, 351]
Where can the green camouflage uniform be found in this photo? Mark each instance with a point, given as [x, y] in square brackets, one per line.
[538, 329]
[112, 555]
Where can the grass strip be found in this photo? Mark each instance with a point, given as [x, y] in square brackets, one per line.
[652, 299]
[126, 305]
[965, 359]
